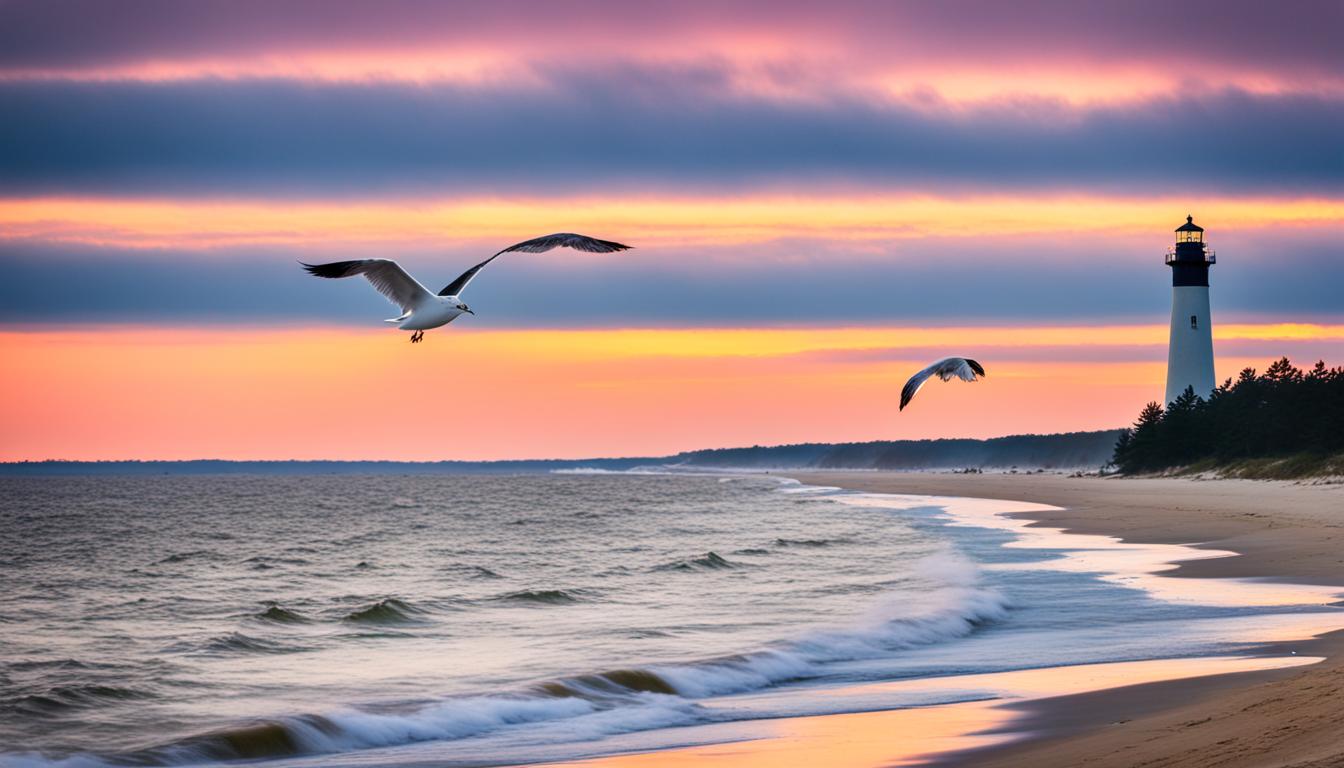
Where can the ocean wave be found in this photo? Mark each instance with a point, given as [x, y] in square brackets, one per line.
[600, 471]
[59, 664]
[545, 596]
[267, 562]
[182, 557]
[605, 685]
[807, 542]
[386, 611]
[660, 470]
[349, 730]
[471, 571]
[710, 561]
[796, 487]
[952, 606]
[281, 615]
[63, 698]
[237, 642]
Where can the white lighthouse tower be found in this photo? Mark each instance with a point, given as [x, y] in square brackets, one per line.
[1190, 352]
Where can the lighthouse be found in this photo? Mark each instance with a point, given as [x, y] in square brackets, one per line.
[1190, 349]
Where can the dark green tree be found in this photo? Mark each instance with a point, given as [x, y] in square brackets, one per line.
[1282, 412]
[1145, 441]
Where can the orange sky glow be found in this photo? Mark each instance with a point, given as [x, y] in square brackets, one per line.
[338, 393]
[651, 220]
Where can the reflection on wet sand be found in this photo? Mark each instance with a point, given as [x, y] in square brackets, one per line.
[911, 736]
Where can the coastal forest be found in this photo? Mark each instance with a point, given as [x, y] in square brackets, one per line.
[1285, 422]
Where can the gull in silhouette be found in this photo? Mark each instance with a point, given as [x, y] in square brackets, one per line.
[422, 310]
[946, 369]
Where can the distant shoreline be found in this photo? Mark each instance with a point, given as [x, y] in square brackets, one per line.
[1066, 451]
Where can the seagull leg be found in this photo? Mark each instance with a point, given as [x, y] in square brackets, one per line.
[415, 337]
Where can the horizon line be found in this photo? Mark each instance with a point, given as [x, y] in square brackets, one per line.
[18, 462]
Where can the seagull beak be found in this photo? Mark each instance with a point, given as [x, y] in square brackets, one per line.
[468, 311]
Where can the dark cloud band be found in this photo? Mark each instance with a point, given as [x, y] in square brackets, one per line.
[590, 131]
[926, 282]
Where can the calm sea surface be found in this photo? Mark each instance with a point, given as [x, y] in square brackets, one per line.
[473, 620]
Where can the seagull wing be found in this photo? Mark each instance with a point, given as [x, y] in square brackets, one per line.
[384, 274]
[538, 245]
[962, 368]
[946, 369]
[566, 240]
[912, 386]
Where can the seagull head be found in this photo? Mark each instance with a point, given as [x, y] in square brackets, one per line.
[465, 308]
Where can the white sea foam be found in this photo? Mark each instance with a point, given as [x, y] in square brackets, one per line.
[450, 719]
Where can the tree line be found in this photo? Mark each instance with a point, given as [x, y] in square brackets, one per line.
[1282, 412]
[1073, 450]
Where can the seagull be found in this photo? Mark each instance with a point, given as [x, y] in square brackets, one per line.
[963, 368]
[422, 310]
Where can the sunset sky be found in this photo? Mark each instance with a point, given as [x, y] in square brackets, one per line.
[823, 197]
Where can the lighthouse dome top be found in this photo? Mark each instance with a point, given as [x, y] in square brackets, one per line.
[1189, 232]
[1189, 225]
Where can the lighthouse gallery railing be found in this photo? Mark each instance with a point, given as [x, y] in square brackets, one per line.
[1210, 256]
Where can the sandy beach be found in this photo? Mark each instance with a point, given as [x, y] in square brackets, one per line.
[1280, 530]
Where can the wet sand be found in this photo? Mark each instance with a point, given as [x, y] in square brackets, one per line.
[1284, 709]
[949, 734]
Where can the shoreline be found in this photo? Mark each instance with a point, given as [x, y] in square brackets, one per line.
[1279, 531]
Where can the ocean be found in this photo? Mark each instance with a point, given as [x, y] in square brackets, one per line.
[493, 620]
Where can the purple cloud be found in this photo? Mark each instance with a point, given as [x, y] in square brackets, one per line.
[1297, 39]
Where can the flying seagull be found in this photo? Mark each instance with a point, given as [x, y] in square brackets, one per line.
[963, 368]
[422, 310]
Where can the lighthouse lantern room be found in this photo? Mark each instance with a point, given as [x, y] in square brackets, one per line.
[1190, 350]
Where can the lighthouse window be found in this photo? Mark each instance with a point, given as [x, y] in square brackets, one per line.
[1194, 321]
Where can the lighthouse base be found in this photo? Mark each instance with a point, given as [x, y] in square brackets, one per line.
[1190, 351]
